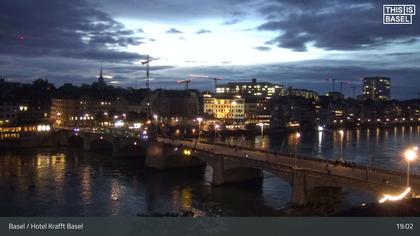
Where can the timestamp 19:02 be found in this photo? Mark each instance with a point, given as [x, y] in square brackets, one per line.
[405, 226]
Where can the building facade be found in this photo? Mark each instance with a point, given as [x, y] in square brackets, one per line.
[224, 107]
[377, 88]
[173, 103]
[82, 112]
[256, 95]
[306, 93]
[251, 89]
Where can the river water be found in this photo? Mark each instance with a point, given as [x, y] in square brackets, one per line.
[70, 182]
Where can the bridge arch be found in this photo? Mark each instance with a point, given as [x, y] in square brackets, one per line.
[101, 145]
[75, 141]
[133, 149]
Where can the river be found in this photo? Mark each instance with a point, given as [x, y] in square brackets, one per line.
[70, 182]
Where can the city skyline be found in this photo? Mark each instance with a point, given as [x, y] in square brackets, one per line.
[275, 41]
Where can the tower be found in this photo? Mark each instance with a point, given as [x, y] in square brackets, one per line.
[101, 80]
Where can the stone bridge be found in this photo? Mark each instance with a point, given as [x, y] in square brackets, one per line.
[234, 164]
[90, 141]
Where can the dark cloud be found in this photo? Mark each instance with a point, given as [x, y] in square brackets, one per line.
[171, 10]
[231, 21]
[62, 28]
[174, 31]
[332, 24]
[262, 48]
[203, 31]
[140, 30]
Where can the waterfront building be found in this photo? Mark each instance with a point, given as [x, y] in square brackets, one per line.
[292, 112]
[8, 111]
[377, 88]
[228, 109]
[86, 111]
[257, 96]
[25, 103]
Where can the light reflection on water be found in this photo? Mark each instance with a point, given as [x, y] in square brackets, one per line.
[68, 182]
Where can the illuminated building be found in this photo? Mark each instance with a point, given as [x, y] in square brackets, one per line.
[377, 88]
[14, 132]
[83, 111]
[251, 89]
[257, 97]
[225, 107]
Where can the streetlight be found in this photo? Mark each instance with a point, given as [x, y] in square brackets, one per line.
[262, 128]
[156, 123]
[215, 130]
[341, 132]
[297, 136]
[410, 155]
[199, 119]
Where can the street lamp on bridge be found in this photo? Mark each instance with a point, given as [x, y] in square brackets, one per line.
[297, 136]
[410, 155]
[199, 119]
[262, 128]
[216, 127]
[156, 123]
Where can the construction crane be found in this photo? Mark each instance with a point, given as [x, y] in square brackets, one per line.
[147, 62]
[353, 87]
[338, 80]
[185, 81]
[207, 77]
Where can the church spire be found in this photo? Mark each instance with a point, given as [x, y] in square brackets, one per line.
[101, 78]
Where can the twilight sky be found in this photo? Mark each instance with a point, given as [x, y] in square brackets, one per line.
[293, 42]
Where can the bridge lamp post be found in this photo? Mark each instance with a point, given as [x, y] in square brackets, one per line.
[199, 119]
[216, 127]
[297, 136]
[262, 128]
[341, 132]
[156, 123]
[410, 155]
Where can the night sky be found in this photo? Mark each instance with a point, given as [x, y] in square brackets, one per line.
[293, 42]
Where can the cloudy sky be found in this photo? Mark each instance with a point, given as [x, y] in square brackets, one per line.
[293, 42]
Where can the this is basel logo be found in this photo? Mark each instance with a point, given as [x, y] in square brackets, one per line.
[398, 14]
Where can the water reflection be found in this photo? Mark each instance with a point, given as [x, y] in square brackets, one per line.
[73, 183]
[115, 196]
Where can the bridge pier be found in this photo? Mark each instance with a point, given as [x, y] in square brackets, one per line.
[162, 156]
[116, 147]
[86, 143]
[63, 138]
[298, 186]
